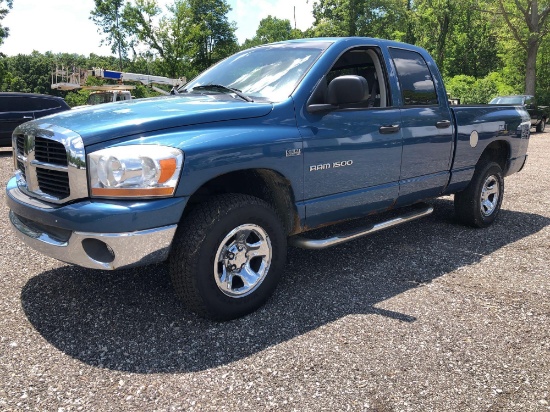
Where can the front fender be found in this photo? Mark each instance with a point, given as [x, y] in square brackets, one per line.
[219, 148]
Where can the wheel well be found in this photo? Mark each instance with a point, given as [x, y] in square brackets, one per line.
[497, 151]
[264, 184]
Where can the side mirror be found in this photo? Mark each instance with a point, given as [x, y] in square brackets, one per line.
[341, 91]
[317, 108]
[347, 90]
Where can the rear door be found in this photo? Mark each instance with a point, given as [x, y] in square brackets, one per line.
[427, 129]
[14, 110]
[46, 106]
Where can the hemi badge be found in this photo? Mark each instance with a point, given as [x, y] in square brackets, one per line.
[293, 152]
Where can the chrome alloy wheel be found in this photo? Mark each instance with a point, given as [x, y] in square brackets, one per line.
[490, 194]
[242, 260]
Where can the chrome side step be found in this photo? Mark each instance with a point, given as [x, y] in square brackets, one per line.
[305, 243]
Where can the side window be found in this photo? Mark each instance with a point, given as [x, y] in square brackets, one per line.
[5, 104]
[364, 62]
[417, 85]
[48, 104]
[15, 104]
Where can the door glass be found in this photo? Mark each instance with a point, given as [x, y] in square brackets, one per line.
[362, 62]
[417, 85]
[15, 104]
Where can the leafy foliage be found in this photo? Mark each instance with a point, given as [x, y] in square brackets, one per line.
[4, 9]
[192, 36]
[271, 30]
[479, 91]
[483, 47]
[371, 18]
[527, 21]
[212, 36]
[107, 14]
[167, 39]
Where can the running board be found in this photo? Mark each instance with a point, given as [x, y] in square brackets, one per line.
[305, 243]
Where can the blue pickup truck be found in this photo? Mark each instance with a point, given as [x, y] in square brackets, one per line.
[251, 155]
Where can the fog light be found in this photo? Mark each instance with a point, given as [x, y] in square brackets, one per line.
[98, 250]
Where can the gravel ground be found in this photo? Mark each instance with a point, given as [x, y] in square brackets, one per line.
[428, 316]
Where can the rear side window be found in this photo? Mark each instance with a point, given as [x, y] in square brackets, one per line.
[417, 85]
[15, 104]
[4, 104]
[43, 104]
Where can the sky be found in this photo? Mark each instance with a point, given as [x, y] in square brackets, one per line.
[63, 26]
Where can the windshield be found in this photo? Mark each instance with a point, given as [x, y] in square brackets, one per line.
[507, 100]
[100, 98]
[268, 73]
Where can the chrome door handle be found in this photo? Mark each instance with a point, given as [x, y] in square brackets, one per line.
[394, 128]
[443, 124]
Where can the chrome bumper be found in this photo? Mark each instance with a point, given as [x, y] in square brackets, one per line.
[105, 251]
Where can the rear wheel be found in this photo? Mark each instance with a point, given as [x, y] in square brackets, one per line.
[479, 204]
[228, 256]
[541, 126]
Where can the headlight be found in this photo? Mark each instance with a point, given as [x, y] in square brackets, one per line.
[140, 170]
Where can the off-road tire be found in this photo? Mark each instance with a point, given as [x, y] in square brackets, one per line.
[199, 239]
[541, 126]
[469, 206]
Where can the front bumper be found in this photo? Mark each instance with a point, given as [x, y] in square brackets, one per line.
[106, 251]
[96, 234]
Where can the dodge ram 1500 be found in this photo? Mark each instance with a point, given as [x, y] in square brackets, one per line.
[253, 153]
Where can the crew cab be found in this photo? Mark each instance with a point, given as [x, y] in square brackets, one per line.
[251, 155]
[539, 114]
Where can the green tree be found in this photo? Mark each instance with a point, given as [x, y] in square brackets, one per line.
[4, 32]
[461, 36]
[543, 73]
[527, 21]
[107, 14]
[212, 36]
[190, 38]
[168, 39]
[28, 73]
[336, 17]
[270, 30]
[472, 47]
[479, 91]
[390, 19]
[5, 6]
[436, 19]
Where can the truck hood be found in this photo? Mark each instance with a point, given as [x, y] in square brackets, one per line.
[104, 122]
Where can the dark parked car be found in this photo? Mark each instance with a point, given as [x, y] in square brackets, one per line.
[17, 108]
[539, 114]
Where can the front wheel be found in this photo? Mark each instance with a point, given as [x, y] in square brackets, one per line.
[228, 256]
[479, 204]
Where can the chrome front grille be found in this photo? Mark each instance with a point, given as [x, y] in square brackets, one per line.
[50, 162]
[50, 151]
[20, 139]
[53, 182]
[21, 168]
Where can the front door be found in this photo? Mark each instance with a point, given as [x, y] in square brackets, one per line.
[352, 155]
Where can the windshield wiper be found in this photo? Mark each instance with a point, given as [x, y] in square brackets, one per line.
[223, 89]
